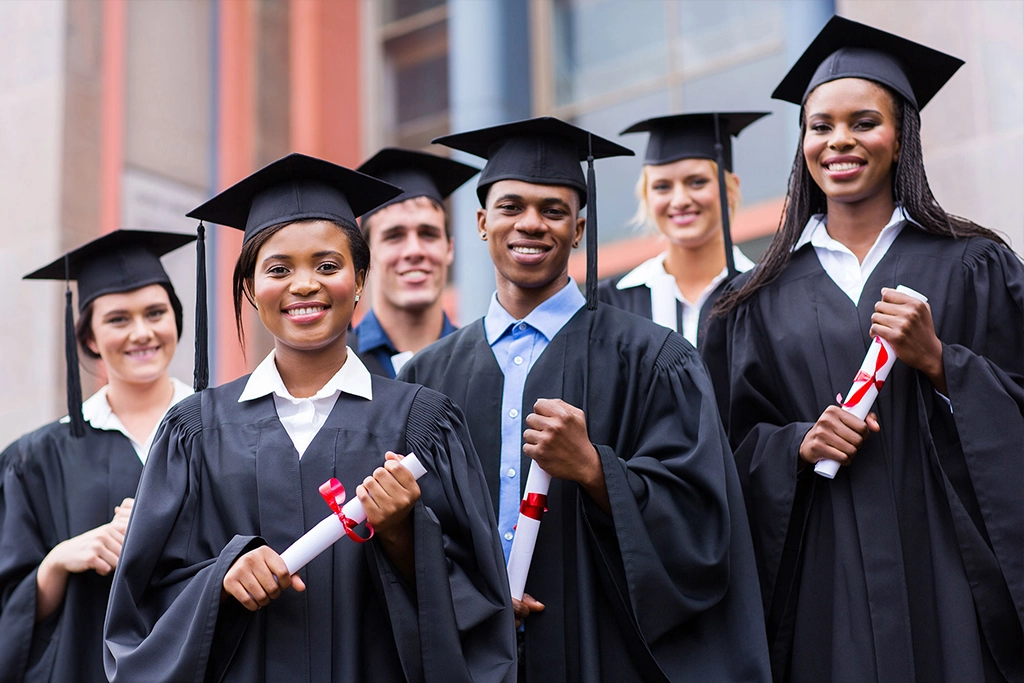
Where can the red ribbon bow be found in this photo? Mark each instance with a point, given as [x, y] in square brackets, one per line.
[334, 493]
[869, 380]
[533, 505]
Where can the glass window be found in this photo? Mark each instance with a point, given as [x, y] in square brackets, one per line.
[605, 45]
[416, 64]
[710, 31]
[394, 10]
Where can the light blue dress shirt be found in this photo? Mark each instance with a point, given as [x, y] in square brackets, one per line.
[517, 344]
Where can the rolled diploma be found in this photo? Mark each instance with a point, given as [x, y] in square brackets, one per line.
[330, 529]
[521, 555]
[829, 468]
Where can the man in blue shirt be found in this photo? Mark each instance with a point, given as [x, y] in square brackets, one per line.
[410, 250]
[643, 568]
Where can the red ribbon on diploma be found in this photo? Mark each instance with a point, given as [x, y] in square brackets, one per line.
[869, 380]
[533, 505]
[334, 493]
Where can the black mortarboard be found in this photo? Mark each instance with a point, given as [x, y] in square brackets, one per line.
[418, 174]
[119, 261]
[543, 151]
[699, 136]
[847, 49]
[295, 188]
[692, 136]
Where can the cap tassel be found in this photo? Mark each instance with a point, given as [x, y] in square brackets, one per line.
[723, 198]
[71, 360]
[201, 376]
[591, 227]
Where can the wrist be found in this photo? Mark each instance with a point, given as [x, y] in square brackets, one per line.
[52, 565]
[936, 371]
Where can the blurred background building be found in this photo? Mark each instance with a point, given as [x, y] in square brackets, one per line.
[127, 113]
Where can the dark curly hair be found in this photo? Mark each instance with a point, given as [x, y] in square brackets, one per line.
[805, 199]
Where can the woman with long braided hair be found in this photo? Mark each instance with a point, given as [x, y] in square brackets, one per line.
[909, 564]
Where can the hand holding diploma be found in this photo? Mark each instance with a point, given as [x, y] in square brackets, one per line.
[842, 437]
[557, 441]
[334, 526]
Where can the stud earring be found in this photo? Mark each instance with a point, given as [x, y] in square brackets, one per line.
[357, 298]
[483, 235]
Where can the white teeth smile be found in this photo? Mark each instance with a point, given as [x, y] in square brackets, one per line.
[309, 310]
[414, 273]
[846, 166]
[141, 352]
[528, 250]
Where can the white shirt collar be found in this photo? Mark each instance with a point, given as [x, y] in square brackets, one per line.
[653, 269]
[97, 412]
[816, 232]
[352, 378]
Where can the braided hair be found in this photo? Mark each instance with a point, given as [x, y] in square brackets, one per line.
[805, 199]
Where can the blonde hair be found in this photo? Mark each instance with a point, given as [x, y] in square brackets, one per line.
[642, 218]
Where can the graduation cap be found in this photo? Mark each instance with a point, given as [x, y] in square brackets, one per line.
[295, 188]
[847, 49]
[418, 174]
[692, 136]
[543, 151]
[698, 136]
[120, 261]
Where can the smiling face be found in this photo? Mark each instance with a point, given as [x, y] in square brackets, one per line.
[530, 230]
[135, 334]
[852, 140]
[304, 287]
[411, 253]
[683, 201]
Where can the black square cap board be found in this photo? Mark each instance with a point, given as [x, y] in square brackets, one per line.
[419, 174]
[848, 49]
[294, 188]
[692, 136]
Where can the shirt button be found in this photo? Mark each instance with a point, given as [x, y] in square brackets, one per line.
[521, 326]
[518, 360]
[513, 413]
[508, 536]
[511, 472]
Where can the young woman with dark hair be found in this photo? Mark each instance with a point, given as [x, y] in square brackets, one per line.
[235, 477]
[907, 566]
[68, 488]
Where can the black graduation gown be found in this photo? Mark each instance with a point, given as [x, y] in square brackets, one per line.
[908, 565]
[664, 588]
[637, 300]
[56, 487]
[223, 478]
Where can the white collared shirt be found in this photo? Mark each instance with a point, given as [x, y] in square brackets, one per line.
[665, 292]
[839, 262]
[97, 412]
[302, 418]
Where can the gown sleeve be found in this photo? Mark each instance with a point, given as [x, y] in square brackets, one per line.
[22, 548]
[669, 531]
[985, 381]
[165, 612]
[461, 603]
[766, 442]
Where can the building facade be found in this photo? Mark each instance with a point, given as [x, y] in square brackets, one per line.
[126, 113]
